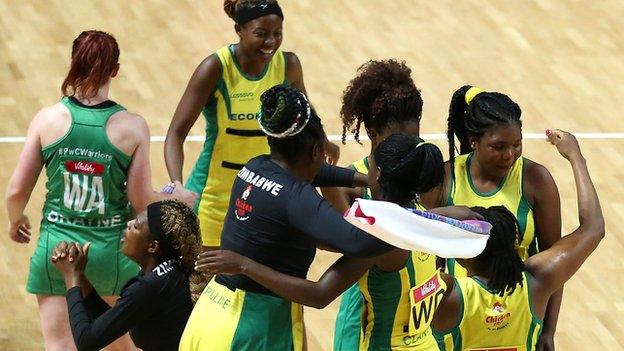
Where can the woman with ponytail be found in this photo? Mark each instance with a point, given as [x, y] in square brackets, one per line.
[384, 99]
[406, 167]
[226, 87]
[491, 171]
[154, 306]
[276, 217]
[96, 156]
[503, 301]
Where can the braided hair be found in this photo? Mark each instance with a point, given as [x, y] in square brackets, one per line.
[383, 93]
[500, 253]
[181, 228]
[408, 167]
[292, 126]
[472, 112]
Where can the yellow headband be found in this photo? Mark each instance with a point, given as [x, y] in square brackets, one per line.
[471, 93]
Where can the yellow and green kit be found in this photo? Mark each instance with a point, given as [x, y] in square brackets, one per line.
[489, 321]
[508, 194]
[226, 319]
[399, 306]
[233, 137]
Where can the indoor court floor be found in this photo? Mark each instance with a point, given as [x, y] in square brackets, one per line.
[560, 60]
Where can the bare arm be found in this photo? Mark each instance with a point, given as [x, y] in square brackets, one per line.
[23, 182]
[139, 181]
[294, 72]
[199, 89]
[341, 198]
[553, 267]
[341, 275]
[547, 211]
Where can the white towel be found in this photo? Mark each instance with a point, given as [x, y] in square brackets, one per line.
[407, 230]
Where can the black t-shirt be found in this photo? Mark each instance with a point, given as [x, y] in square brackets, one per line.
[277, 220]
[153, 307]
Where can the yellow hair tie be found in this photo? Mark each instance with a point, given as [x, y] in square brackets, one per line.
[471, 93]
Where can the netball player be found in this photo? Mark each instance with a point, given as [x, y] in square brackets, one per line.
[96, 156]
[491, 171]
[227, 87]
[383, 98]
[276, 217]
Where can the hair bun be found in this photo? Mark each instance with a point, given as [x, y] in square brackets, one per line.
[284, 112]
[229, 6]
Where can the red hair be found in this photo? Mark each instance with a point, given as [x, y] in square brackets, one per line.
[95, 57]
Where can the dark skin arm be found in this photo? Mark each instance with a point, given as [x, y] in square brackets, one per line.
[553, 267]
[199, 89]
[437, 198]
[448, 312]
[542, 191]
[341, 198]
[341, 275]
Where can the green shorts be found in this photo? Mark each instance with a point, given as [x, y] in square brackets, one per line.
[107, 268]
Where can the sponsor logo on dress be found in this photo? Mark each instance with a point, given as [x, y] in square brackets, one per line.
[423, 256]
[84, 167]
[498, 317]
[426, 289]
[243, 208]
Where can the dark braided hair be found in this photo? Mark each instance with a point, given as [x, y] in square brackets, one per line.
[500, 253]
[383, 93]
[181, 228]
[406, 169]
[230, 6]
[487, 109]
[284, 108]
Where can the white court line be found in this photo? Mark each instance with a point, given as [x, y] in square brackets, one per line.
[426, 136]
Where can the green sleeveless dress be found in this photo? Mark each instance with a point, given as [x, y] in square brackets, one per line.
[85, 202]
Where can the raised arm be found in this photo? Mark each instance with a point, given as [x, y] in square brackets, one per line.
[542, 190]
[198, 91]
[314, 216]
[341, 275]
[553, 267]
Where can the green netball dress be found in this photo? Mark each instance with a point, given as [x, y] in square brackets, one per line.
[85, 202]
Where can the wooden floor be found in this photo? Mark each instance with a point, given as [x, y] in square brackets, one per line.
[560, 60]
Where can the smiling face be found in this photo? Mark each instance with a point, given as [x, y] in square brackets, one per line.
[260, 38]
[137, 242]
[498, 149]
